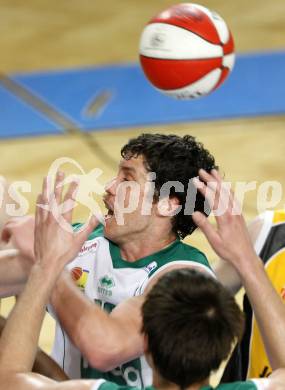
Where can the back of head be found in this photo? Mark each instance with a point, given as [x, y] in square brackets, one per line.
[191, 322]
[173, 158]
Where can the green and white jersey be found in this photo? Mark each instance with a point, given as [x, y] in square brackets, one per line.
[253, 384]
[107, 279]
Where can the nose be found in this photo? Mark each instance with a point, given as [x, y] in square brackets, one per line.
[111, 186]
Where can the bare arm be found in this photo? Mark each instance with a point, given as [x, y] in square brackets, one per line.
[43, 364]
[106, 340]
[227, 275]
[18, 344]
[225, 271]
[232, 243]
[31, 381]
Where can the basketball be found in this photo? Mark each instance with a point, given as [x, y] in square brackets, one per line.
[186, 51]
[76, 273]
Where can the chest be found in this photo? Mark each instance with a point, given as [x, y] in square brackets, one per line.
[100, 279]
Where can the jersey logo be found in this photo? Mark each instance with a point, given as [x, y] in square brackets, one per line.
[80, 277]
[106, 284]
[88, 247]
[149, 268]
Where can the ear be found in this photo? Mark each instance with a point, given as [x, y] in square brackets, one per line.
[168, 207]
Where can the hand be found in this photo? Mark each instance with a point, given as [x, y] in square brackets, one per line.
[56, 244]
[18, 233]
[230, 240]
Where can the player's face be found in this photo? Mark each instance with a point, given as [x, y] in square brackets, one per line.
[127, 202]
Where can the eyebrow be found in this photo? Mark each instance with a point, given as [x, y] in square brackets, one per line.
[129, 169]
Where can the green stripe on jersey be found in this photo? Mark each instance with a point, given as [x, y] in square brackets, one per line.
[178, 250]
[248, 385]
[97, 232]
[173, 252]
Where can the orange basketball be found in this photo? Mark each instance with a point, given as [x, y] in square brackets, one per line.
[76, 273]
[186, 51]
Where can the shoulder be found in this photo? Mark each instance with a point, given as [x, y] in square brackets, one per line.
[179, 255]
[192, 254]
[188, 256]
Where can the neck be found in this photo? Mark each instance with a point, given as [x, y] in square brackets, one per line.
[133, 250]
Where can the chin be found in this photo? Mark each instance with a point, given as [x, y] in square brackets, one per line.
[109, 233]
[114, 232]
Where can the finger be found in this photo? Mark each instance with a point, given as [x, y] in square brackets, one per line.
[209, 191]
[202, 222]
[58, 186]
[44, 199]
[70, 200]
[208, 179]
[205, 176]
[218, 192]
[54, 197]
[201, 187]
[215, 173]
[223, 199]
[46, 190]
[38, 215]
[86, 230]
[227, 195]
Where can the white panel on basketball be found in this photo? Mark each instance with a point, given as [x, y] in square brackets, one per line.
[160, 40]
[229, 60]
[199, 88]
[219, 23]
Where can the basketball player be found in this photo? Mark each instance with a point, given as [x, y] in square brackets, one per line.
[189, 320]
[267, 233]
[127, 261]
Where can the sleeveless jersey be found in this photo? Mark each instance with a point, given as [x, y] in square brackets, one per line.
[270, 245]
[107, 279]
[249, 360]
[253, 384]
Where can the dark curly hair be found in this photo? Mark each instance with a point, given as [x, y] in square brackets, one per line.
[173, 158]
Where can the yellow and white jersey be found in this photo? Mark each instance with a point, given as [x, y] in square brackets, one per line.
[270, 245]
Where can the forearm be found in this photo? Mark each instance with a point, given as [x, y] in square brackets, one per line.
[268, 308]
[43, 364]
[106, 340]
[18, 344]
[227, 275]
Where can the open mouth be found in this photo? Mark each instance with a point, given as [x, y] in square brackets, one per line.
[110, 211]
[109, 215]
